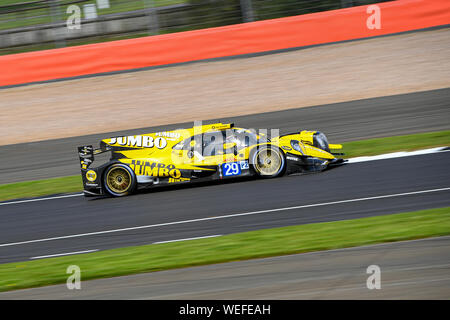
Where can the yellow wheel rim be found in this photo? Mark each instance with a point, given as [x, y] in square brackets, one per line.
[268, 162]
[118, 180]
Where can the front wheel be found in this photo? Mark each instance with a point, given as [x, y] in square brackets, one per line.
[119, 180]
[268, 162]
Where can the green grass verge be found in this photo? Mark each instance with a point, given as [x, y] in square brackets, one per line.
[39, 188]
[352, 149]
[397, 143]
[240, 246]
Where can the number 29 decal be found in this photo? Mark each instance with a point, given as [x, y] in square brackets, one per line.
[231, 169]
[234, 168]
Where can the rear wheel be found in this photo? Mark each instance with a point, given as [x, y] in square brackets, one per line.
[119, 180]
[268, 162]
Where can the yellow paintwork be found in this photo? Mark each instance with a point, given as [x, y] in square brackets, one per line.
[158, 148]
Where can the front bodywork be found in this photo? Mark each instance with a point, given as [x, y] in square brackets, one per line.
[202, 153]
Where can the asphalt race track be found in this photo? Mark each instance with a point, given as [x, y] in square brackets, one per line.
[73, 224]
[417, 269]
[354, 120]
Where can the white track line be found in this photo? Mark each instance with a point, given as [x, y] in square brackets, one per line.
[351, 160]
[223, 217]
[41, 199]
[63, 254]
[186, 239]
[400, 154]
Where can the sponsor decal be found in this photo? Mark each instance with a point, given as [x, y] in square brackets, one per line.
[222, 126]
[85, 163]
[85, 155]
[292, 158]
[86, 149]
[234, 168]
[286, 148]
[244, 165]
[91, 185]
[231, 169]
[172, 180]
[169, 135]
[140, 141]
[153, 169]
[91, 175]
[85, 152]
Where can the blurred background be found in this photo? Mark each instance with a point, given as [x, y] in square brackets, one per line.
[36, 25]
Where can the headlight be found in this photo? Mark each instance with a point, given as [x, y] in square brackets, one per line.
[321, 141]
[296, 146]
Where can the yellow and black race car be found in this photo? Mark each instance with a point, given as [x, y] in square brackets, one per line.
[201, 153]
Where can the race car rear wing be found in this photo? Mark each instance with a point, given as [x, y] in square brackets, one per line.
[91, 177]
[86, 154]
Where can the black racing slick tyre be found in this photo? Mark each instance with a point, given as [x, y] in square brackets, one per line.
[268, 162]
[119, 180]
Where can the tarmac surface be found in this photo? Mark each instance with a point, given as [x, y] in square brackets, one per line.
[71, 224]
[355, 190]
[354, 120]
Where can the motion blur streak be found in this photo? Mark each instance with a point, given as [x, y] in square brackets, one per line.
[297, 31]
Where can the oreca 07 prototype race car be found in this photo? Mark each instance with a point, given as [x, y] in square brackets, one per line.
[201, 153]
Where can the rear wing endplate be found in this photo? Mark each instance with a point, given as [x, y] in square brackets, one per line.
[86, 154]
